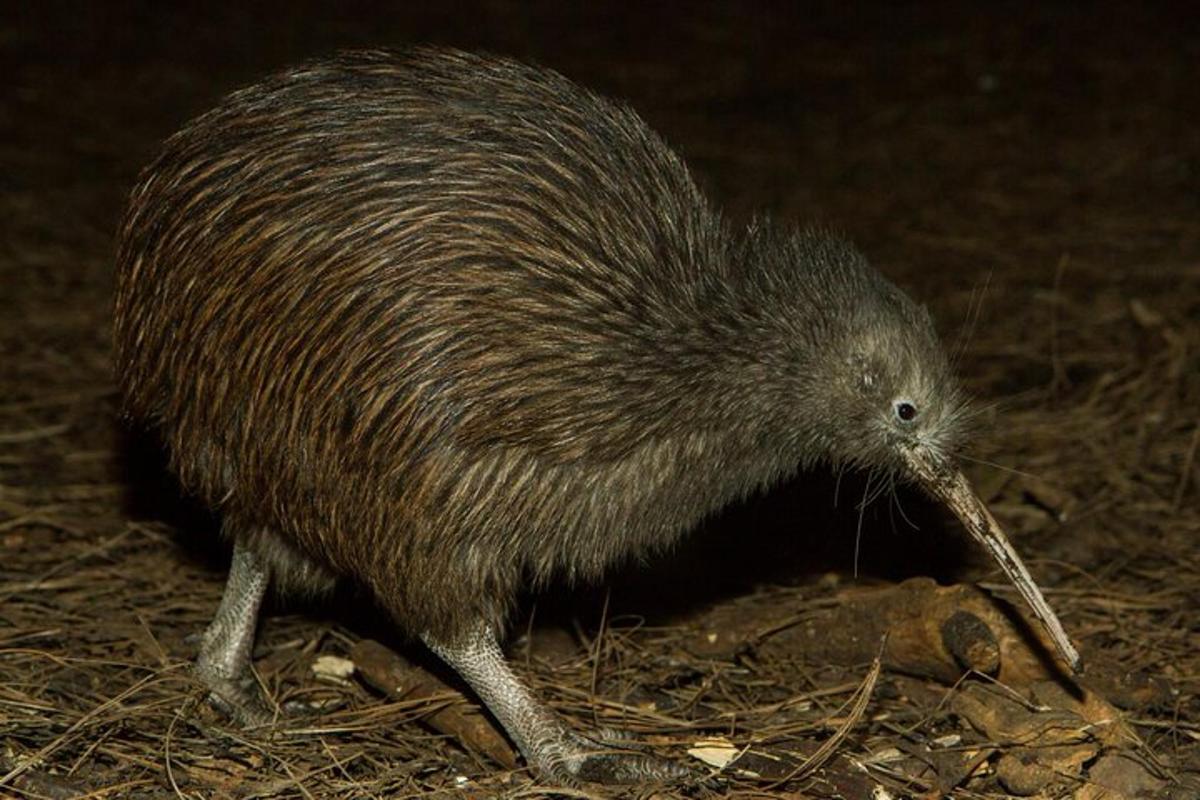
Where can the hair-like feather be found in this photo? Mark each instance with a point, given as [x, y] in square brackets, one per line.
[447, 323]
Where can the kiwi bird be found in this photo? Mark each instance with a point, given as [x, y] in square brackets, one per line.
[448, 325]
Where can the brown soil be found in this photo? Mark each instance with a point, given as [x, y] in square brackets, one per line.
[1031, 173]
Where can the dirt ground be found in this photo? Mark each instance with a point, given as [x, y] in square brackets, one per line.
[1030, 172]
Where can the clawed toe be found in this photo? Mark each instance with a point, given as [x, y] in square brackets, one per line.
[240, 700]
[620, 738]
[625, 768]
[614, 757]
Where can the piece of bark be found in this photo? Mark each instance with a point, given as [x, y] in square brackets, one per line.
[462, 720]
[1046, 740]
[1007, 719]
[932, 632]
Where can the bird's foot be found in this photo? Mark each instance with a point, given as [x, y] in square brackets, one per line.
[613, 757]
[557, 753]
[223, 664]
[238, 697]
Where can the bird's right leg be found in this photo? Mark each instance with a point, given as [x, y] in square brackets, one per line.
[225, 649]
[554, 750]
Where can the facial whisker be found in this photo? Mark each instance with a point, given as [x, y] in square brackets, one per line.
[891, 504]
[1001, 467]
[837, 483]
[965, 412]
[878, 492]
[974, 312]
[900, 507]
[862, 507]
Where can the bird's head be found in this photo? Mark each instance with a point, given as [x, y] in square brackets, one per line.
[881, 396]
[886, 385]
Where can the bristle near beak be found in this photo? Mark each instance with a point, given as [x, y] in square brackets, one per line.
[946, 482]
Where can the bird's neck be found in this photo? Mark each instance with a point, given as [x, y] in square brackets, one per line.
[746, 391]
[757, 348]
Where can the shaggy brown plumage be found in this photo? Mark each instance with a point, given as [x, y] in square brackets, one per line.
[446, 323]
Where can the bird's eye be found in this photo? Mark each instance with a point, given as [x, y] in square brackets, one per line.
[905, 411]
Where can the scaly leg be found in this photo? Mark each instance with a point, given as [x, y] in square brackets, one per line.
[224, 661]
[554, 750]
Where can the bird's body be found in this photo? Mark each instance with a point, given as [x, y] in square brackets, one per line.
[447, 324]
[463, 316]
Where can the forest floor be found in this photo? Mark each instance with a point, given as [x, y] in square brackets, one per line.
[1031, 175]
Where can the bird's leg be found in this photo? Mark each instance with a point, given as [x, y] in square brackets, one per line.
[224, 661]
[553, 749]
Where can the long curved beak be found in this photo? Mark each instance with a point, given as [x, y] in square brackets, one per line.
[947, 483]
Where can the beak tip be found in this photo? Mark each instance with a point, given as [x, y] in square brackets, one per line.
[952, 487]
